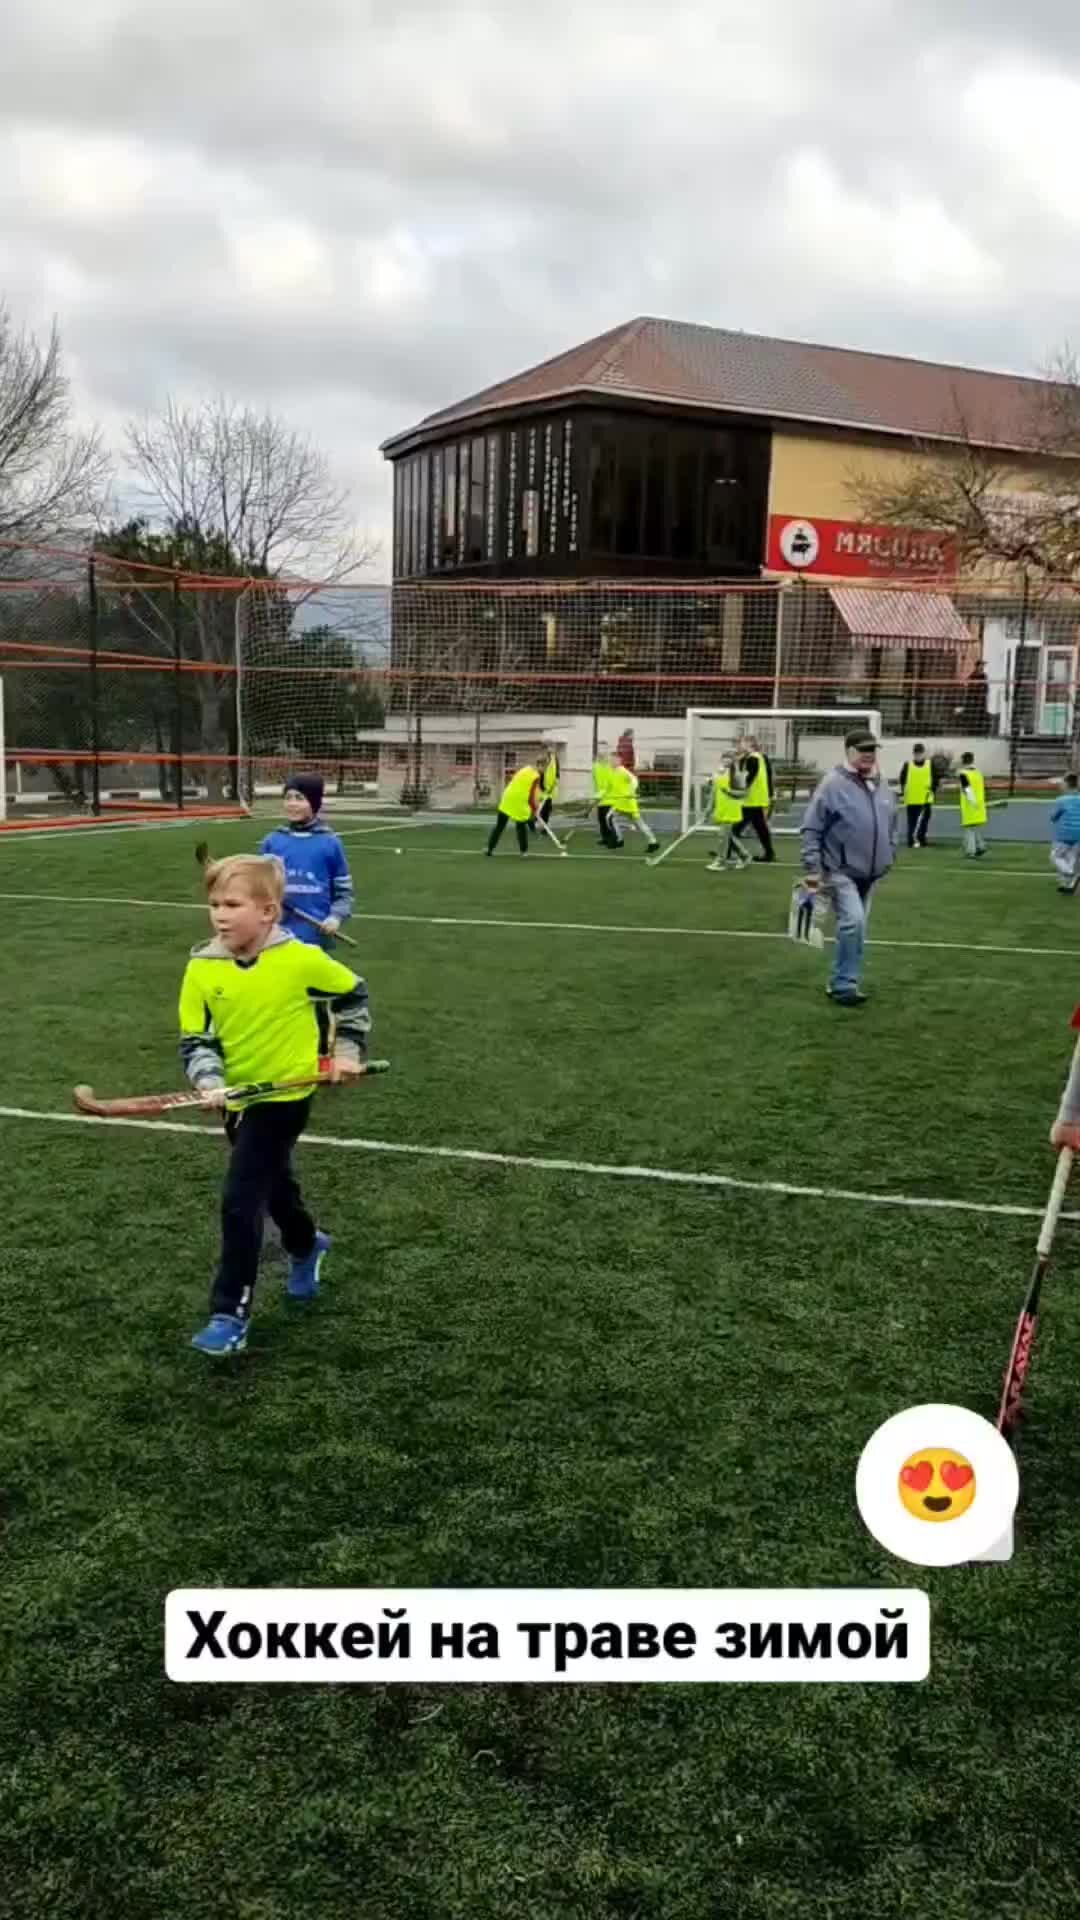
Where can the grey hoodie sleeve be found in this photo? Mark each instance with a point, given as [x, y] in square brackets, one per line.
[814, 826]
[342, 898]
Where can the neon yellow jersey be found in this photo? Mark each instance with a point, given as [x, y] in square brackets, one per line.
[549, 780]
[515, 798]
[758, 794]
[727, 811]
[623, 791]
[918, 791]
[255, 1020]
[601, 779]
[973, 799]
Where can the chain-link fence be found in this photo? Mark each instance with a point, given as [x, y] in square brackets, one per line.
[130, 687]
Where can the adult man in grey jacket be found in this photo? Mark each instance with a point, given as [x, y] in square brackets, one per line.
[848, 844]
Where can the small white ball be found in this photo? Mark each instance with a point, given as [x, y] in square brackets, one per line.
[565, 855]
[397, 849]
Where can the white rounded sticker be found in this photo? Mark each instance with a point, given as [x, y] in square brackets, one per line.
[800, 543]
[937, 1486]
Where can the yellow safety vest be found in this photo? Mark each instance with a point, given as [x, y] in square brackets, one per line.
[727, 811]
[757, 794]
[601, 777]
[623, 791]
[549, 779]
[515, 800]
[917, 788]
[972, 798]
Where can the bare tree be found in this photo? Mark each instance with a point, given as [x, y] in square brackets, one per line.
[223, 470]
[238, 495]
[1018, 511]
[51, 475]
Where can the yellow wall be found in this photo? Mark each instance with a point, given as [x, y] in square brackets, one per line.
[812, 478]
[811, 474]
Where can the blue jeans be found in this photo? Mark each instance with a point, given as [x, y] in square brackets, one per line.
[850, 902]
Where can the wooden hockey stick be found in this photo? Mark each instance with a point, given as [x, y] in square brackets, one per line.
[205, 859]
[150, 1104]
[1016, 1373]
[541, 822]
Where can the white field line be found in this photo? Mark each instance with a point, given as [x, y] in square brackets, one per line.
[391, 826]
[561, 926]
[474, 1156]
[117, 829]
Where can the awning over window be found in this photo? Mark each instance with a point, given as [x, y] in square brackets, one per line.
[884, 617]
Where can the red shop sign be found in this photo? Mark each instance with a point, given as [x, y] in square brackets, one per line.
[852, 550]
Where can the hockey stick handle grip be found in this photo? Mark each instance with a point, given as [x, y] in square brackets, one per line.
[1055, 1202]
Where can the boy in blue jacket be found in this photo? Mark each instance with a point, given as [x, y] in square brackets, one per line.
[1065, 829]
[317, 878]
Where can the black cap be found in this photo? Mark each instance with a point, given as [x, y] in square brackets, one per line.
[862, 738]
[310, 785]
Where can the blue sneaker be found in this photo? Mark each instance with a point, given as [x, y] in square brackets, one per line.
[303, 1281]
[224, 1333]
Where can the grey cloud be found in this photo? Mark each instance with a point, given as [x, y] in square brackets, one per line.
[470, 197]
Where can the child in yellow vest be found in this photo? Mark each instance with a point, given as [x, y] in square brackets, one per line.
[520, 799]
[623, 785]
[728, 787]
[973, 814]
[917, 786]
[601, 798]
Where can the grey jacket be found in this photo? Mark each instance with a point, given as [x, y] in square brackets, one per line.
[850, 826]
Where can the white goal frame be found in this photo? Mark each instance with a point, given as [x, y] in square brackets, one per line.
[750, 718]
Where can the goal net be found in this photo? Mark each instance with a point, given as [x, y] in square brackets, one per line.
[798, 742]
[310, 667]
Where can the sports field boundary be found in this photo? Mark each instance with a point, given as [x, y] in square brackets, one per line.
[590, 1169]
[553, 926]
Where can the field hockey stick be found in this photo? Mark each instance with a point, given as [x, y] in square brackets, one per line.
[538, 816]
[1024, 1337]
[695, 827]
[86, 1100]
[203, 856]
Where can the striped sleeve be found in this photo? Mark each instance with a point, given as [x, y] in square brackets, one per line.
[200, 1049]
[347, 994]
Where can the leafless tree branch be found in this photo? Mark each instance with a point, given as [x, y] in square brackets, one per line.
[1021, 513]
[51, 476]
[226, 470]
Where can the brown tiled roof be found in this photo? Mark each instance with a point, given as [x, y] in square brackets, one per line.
[876, 615]
[708, 367]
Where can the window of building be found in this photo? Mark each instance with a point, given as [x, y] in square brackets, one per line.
[401, 756]
[602, 490]
[629, 493]
[463, 501]
[416, 465]
[463, 756]
[530, 504]
[722, 499]
[399, 492]
[407, 556]
[425, 513]
[685, 498]
[449, 535]
[655, 540]
[475, 545]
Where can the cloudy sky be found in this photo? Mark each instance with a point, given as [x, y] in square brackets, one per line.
[356, 211]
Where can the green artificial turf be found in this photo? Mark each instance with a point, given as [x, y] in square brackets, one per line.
[537, 1378]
